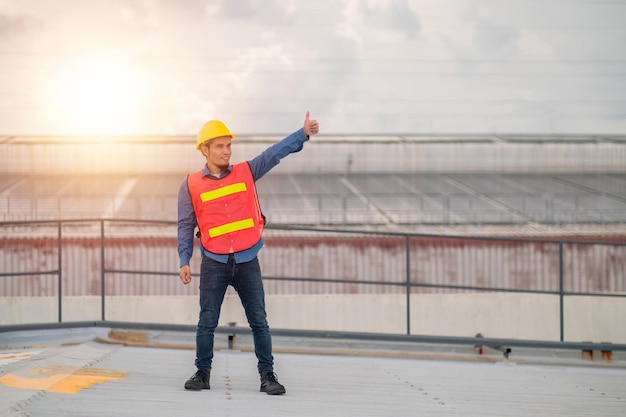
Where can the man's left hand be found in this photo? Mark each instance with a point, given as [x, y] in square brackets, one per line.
[311, 127]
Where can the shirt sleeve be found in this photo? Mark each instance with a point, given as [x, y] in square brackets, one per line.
[271, 157]
[186, 224]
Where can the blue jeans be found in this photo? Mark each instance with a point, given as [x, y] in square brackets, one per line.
[215, 277]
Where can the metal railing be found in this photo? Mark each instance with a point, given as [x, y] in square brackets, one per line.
[409, 284]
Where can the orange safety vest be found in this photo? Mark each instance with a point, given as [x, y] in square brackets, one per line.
[227, 210]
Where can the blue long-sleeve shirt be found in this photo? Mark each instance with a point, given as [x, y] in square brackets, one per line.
[259, 166]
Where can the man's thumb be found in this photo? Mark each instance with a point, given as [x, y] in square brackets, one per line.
[306, 119]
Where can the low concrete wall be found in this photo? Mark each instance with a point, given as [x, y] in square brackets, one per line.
[495, 315]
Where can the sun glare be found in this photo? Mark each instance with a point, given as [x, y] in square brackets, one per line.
[95, 96]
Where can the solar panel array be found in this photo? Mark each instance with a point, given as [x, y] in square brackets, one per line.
[402, 198]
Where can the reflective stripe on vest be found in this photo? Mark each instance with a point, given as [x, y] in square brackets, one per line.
[224, 191]
[231, 227]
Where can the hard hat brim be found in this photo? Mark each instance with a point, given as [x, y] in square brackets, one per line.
[209, 140]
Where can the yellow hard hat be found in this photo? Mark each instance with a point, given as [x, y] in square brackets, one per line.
[211, 130]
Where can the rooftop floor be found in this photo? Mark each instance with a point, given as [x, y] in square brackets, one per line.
[98, 372]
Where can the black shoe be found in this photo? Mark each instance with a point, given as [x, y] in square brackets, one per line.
[270, 385]
[199, 380]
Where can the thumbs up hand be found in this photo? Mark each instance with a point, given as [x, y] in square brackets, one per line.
[311, 127]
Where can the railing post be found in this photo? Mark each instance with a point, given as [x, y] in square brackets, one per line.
[102, 286]
[60, 266]
[407, 244]
[561, 291]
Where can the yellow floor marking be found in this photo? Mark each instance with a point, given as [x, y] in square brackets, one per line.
[63, 379]
[8, 357]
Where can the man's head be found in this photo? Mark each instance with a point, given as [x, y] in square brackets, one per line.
[214, 141]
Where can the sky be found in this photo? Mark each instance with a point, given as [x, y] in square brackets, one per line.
[361, 67]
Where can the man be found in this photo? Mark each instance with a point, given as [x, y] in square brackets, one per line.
[221, 200]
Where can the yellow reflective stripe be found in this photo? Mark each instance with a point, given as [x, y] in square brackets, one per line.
[231, 227]
[224, 191]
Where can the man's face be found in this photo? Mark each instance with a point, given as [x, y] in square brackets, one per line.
[218, 153]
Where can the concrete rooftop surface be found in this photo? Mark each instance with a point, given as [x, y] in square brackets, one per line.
[104, 372]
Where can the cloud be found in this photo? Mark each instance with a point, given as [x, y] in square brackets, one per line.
[14, 27]
[495, 39]
[367, 66]
[269, 12]
[367, 22]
